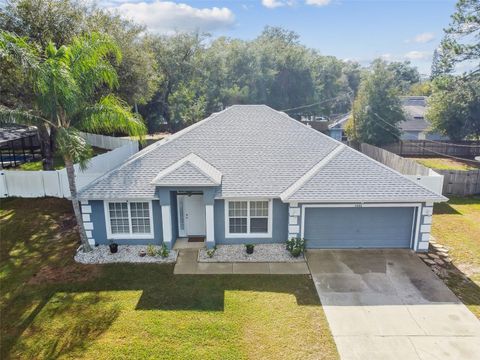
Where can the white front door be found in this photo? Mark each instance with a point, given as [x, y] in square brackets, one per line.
[194, 215]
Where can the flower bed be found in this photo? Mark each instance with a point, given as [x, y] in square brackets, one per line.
[261, 253]
[126, 254]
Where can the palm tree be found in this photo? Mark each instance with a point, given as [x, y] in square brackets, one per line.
[67, 83]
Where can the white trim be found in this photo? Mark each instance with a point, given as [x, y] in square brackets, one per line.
[130, 235]
[201, 165]
[86, 209]
[210, 223]
[86, 217]
[423, 245]
[293, 229]
[292, 220]
[425, 228]
[268, 234]
[181, 233]
[426, 237]
[88, 226]
[294, 211]
[292, 189]
[417, 227]
[427, 220]
[167, 223]
[427, 210]
[89, 233]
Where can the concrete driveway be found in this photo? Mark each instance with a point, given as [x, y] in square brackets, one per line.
[387, 304]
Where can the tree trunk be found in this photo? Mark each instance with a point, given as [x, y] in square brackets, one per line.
[76, 205]
[46, 146]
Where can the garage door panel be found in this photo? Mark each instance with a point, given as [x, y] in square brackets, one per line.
[358, 227]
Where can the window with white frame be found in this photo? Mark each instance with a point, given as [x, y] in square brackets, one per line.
[249, 217]
[129, 218]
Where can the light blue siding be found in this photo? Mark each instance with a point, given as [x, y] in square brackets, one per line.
[336, 134]
[279, 225]
[385, 227]
[99, 231]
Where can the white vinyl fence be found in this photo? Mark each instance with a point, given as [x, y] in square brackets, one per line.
[31, 184]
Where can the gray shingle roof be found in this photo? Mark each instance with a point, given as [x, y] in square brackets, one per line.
[351, 176]
[260, 152]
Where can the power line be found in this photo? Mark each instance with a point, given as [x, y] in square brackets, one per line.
[316, 103]
[420, 147]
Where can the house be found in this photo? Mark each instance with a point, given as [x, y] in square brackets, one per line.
[416, 126]
[251, 174]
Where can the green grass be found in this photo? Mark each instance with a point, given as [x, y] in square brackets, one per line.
[456, 224]
[446, 163]
[57, 162]
[54, 308]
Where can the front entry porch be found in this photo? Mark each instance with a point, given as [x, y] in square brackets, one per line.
[187, 217]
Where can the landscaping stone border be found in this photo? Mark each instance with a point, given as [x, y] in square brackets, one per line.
[437, 258]
[267, 253]
[126, 254]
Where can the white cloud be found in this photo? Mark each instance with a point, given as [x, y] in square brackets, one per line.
[387, 57]
[272, 4]
[166, 16]
[417, 55]
[318, 2]
[422, 38]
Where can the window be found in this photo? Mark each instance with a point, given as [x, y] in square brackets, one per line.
[129, 219]
[248, 218]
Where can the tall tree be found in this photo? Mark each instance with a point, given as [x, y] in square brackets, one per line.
[462, 37]
[405, 75]
[377, 109]
[58, 22]
[65, 80]
[454, 107]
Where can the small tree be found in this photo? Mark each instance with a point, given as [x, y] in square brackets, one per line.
[66, 82]
[377, 108]
[454, 107]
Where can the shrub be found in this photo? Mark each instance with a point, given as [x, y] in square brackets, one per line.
[295, 246]
[151, 250]
[211, 252]
[163, 251]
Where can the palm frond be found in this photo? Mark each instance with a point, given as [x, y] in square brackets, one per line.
[112, 115]
[90, 61]
[22, 117]
[72, 145]
[17, 49]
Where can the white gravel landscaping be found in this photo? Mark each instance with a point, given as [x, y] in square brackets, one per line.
[126, 254]
[261, 253]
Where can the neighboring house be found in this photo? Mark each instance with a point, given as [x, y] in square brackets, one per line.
[319, 123]
[416, 126]
[251, 174]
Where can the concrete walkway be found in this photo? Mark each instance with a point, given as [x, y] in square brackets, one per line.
[187, 264]
[387, 304]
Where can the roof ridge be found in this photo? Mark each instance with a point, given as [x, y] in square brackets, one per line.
[292, 189]
[152, 147]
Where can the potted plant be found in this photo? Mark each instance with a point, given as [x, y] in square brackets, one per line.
[250, 248]
[113, 247]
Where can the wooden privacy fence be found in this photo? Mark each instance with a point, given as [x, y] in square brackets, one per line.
[467, 149]
[411, 169]
[460, 182]
[447, 182]
[30, 184]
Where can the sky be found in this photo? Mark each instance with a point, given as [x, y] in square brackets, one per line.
[359, 30]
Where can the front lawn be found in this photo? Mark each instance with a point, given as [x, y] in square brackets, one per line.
[456, 224]
[440, 163]
[51, 307]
